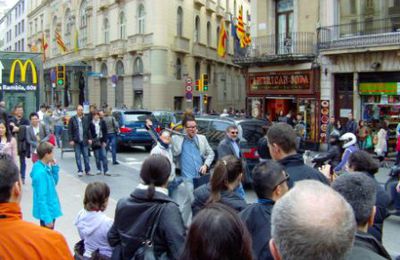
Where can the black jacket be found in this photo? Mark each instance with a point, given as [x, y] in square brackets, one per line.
[258, 221]
[103, 129]
[23, 145]
[382, 203]
[135, 214]
[365, 244]
[73, 129]
[298, 171]
[262, 148]
[228, 198]
[333, 154]
[225, 148]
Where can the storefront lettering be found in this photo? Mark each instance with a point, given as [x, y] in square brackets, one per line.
[286, 81]
[18, 87]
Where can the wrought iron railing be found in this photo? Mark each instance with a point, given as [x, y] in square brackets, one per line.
[365, 33]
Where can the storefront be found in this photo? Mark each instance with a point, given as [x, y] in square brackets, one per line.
[20, 80]
[380, 101]
[283, 92]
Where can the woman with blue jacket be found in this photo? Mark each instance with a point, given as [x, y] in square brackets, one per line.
[46, 205]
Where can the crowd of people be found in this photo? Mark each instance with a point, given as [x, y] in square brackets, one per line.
[300, 212]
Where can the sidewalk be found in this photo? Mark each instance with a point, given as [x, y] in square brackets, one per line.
[70, 191]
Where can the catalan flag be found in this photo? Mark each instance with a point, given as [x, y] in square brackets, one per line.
[60, 42]
[44, 46]
[244, 36]
[222, 40]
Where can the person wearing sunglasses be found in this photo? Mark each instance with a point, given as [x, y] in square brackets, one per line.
[270, 184]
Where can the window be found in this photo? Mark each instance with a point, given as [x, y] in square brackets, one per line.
[83, 17]
[141, 19]
[22, 26]
[36, 26]
[209, 73]
[284, 16]
[30, 28]
[234, 8]
[120, 68]
[179, 22]
[197, 29]
[197, 71]
[106, 28]
[54, 43]
[69, 24]
[41, 23]
[22, 45]
[122, 26]
[15, 30]
[208, 33]
[138, 66]
[217, 38]
[178, 69]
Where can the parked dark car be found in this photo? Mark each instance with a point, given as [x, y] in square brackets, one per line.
[133, 130]
[250, 131]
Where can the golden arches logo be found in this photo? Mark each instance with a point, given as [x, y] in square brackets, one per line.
[23, 66]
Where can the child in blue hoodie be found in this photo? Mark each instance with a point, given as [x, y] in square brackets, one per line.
[92, 223]
[44, 174]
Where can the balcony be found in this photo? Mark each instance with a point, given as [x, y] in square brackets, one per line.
[102, 50]
[199, 3]
[139, 42]
[118, 47]
[211, 6]
[181, 45]
[292, 48]
[368, 33]
[199, 50]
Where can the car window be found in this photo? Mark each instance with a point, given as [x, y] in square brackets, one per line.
[202, 125]
[251, 132]
[136, 117]
[216, 131]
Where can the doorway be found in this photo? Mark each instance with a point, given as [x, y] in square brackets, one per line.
[279, 106]
[343, 96]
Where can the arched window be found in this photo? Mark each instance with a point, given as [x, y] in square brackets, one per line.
[138, 66]
[83, 24]
[209, 72]
[234, 8]
[120, 68]
[141, 19]
[104, 70]
[197, 29]
[69, 25]
[179, 22]
[217, 39]
[122, 26]
[54, 49]
[106, 28]
[208, 33]
[197, 71]
[178, 69]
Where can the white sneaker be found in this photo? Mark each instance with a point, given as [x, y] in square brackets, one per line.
[107, 174]
[98, 172]
[89, 174]
[80, 174]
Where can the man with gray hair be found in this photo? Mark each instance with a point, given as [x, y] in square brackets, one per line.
[312, 221]
[360, 192]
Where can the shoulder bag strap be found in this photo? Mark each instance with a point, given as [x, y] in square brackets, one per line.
[152, 229]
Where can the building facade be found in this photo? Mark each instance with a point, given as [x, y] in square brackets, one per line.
[282, 76]
[359, 45]
[13, 23]
[138, 53]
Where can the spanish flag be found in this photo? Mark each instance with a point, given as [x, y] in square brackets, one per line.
[222, 40]
[44, 46]
[60, 42]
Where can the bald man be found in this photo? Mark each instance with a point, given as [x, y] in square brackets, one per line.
[312, 221]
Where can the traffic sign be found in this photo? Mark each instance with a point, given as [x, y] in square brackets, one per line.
[189, 96]
[53, 75]
[189, 88]
[114, 79]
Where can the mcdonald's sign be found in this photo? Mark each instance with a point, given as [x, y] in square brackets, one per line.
[23, 66]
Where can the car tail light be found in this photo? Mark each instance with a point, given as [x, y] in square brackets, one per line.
[125, 130]
[250, 153]
[158, 129]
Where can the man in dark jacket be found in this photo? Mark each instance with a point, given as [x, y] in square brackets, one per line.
[363, 204]
[282, 147]
[18, 125]
[79, 138]
[351, 125]
[270, 184]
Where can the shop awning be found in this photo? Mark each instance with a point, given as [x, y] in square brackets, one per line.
[380, 88]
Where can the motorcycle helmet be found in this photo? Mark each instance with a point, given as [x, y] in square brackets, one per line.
[348, 139]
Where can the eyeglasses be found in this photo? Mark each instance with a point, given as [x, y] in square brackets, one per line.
[234, 132]
[286, 178]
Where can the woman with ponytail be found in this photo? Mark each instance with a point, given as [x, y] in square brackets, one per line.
[226, 178]
[135, 215]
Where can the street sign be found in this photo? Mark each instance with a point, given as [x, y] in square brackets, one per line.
[189, 96]
[94, 74]
[53, 75]
[1, 72]
[189, 88]
[114, 79]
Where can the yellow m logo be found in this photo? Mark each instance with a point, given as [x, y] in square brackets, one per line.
[23, 68]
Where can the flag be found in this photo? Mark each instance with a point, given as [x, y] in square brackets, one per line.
[60, 42]
[44, 46]
[243, 36]
[76, 40]
[222, 40]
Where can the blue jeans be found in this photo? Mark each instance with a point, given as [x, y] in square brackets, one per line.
[395, 196]
[112, 145]
[58, 130]
[101, 159]
[22, 165]
[82, 149]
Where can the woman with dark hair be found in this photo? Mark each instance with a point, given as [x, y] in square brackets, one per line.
[8, 144]
[362, 134]
[137, 214]
[98, 133]
[227, 176]
[217, 233]
[361, 161]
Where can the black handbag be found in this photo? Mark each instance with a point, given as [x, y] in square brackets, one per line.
[96, 143]
[146, 249]
[201, 180]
